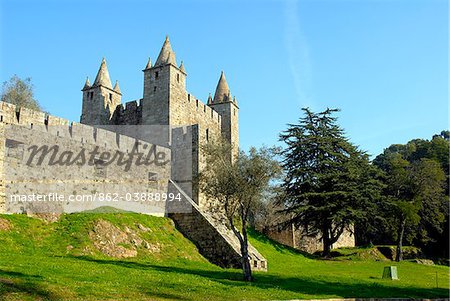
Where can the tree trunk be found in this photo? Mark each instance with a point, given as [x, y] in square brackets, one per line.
[326, 242]
[243, 241]
[246, 267]
[399, 253]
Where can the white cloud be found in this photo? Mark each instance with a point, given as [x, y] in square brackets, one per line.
[298, 54]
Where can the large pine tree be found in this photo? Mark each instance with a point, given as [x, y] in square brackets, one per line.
[329, 182]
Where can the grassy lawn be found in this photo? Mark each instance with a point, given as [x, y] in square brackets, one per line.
[58, 261]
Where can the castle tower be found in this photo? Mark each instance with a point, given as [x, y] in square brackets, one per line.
[163, 82]
[227, 107]
[101, 99]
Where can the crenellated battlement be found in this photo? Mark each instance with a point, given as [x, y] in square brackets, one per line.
[129, 113]
[11, 114]
[130, 107]
[206, 111]
[59, 127]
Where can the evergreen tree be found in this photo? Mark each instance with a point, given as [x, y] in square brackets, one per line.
[417, 194]
[329, 182]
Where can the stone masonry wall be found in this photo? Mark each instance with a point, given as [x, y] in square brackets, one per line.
[297, 238]
[99, 103]
[189, 110]
[229, 113]
[167, 102]
[23, 128]
[214, 241]
[155, 102]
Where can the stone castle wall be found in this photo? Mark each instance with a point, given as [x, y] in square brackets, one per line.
[186, 109]
[23, 128]
[98, 105]
[166, 101]
[298, 238]
[129, 113]
[214, 240]
[229, 112]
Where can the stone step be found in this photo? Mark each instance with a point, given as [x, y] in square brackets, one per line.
[215, 241]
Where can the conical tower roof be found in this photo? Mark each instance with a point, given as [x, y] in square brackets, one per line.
[209, 99]
[222, 91]
[166, 55]
[149, 64]
[87, 84]
[102, 78]
[116, 87]
[182, 67]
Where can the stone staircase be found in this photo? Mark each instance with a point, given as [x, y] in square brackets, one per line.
[215, 241]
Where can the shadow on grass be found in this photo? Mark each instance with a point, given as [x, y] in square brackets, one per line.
[262, 238]
[291, 284]
[277, 246]
[23, 284]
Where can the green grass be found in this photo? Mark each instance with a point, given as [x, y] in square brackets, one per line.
[36, 264]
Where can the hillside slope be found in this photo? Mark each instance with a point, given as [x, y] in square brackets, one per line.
[127, 256]
[117, 235]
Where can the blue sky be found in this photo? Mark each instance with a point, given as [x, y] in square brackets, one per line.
[383, 63]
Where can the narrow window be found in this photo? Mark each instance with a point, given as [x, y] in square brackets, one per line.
[189, 97]
[234, 112]
[196, 102]
[1, 118]
[31, 126]
[207, 134]
[178, 78]
[156, 74]
[110, 96]
[154, 89]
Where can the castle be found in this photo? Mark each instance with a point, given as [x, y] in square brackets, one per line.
[166, 102]
[167, 119]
